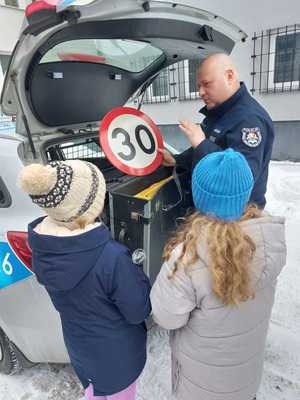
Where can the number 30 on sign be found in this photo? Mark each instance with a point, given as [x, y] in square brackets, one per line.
[130, 140]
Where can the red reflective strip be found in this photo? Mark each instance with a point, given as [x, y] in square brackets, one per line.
[38, 6]
[81, 57]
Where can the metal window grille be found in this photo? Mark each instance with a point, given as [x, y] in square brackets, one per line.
[187, 79]
[276, 60]
[160, 90]
[179, 81]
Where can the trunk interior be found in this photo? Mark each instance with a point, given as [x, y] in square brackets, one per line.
[141, 212]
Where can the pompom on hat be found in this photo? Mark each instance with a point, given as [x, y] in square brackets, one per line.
[222, 183]
[66, 190]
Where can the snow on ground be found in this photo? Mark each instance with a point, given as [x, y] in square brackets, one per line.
[281, 380]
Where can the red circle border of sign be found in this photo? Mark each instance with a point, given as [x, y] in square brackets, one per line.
[103, 133]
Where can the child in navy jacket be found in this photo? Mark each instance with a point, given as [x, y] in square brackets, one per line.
[101, 295]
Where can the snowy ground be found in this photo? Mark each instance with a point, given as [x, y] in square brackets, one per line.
[281, 379]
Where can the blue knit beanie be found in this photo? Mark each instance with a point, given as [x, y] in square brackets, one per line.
[221, 184]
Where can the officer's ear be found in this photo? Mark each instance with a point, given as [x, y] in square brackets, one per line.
[230, 75]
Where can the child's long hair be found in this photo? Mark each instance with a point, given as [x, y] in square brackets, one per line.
[230, 251]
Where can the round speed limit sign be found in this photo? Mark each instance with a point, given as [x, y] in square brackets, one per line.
[130, 140]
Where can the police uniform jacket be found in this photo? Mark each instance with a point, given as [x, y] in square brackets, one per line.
[242, 124]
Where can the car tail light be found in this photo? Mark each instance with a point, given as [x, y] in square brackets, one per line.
[19, 243]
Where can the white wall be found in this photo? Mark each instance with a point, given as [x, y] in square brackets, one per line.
[251, 16]
[10, 23]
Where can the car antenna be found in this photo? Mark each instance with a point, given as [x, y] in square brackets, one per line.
[25, 122]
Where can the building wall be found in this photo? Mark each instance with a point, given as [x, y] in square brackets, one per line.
[253, 16]
[10, 24]
[287, 141]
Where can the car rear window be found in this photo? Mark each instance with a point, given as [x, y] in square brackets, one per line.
[130, 55]
[5, 199]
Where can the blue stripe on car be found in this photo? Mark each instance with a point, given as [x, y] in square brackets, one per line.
[12, 269]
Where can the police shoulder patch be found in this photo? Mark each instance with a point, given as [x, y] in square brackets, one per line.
[251, 136]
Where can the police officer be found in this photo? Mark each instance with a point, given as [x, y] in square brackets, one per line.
[233, 118]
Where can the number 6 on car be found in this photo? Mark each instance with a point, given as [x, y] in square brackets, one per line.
[130, 140]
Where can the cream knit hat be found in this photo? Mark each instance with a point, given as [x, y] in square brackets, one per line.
[66, 190]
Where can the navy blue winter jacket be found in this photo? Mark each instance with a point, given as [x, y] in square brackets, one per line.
[242, 124]
[102, 299]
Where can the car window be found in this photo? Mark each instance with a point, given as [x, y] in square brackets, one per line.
[130, 55]
[5, 199]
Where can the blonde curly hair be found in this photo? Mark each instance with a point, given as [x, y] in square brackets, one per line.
[230, 252]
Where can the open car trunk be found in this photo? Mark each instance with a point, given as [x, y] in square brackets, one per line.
[73, 64]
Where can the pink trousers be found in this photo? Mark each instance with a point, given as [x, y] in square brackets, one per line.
[126, 394]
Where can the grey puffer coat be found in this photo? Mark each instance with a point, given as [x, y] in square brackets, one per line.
[218, 350]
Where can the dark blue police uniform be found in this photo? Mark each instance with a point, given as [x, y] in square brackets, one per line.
[242, 124]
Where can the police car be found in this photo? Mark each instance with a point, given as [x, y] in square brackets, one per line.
[73, 63]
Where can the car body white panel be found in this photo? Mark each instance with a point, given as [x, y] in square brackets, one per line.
[27, 315]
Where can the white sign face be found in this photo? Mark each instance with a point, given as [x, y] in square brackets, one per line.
[131, 140]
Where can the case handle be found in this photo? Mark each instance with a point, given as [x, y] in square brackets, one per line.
[169, 207]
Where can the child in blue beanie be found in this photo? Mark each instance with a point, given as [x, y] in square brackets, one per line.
[216, 288]
[101, 295]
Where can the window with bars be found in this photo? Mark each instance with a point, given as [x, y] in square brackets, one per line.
[159, 90]
[276, 60]
[179, 81]
[187, 79]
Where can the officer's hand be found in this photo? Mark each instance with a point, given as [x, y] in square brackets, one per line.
[168, 160]
[193, 132]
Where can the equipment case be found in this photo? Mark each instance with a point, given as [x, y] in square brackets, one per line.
[146, 224]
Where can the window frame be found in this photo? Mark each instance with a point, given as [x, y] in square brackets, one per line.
[280, 86]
